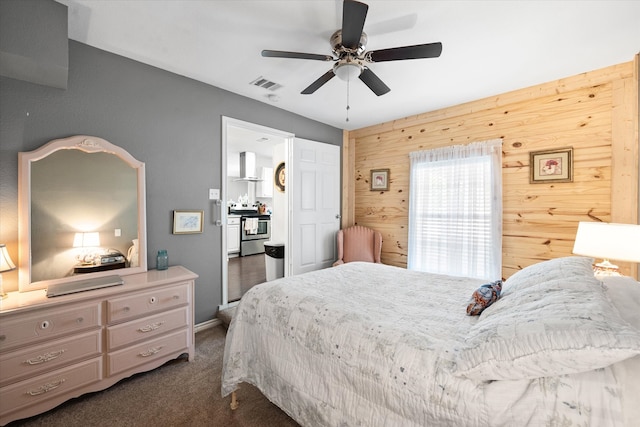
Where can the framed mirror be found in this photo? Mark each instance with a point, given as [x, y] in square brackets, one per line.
[81, 207]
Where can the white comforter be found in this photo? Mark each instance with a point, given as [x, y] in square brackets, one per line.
[371, 345]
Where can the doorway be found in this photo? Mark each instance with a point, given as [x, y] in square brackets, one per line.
[269, 147]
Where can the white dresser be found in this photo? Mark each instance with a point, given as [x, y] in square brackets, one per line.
[54, 349]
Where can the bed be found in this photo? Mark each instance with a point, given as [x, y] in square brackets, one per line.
[366, 344]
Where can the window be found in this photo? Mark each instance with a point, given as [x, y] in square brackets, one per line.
[455, 210]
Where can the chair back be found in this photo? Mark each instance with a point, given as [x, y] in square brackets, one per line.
[358, 243]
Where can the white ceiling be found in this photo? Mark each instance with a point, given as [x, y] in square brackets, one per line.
[241, 139]
[489, 47]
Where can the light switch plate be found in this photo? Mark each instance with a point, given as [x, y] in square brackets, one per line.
[214, 193]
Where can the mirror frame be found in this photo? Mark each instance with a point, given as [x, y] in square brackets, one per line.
[88, 144]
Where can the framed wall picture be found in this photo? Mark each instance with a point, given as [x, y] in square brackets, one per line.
[551, 166]
[187, 222]
[279, 177]
[379, 180]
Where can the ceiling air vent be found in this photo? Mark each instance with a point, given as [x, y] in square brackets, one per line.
[267, 84]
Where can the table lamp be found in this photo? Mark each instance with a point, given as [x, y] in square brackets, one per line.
[5, 265]
[89, 242]
[604, 240]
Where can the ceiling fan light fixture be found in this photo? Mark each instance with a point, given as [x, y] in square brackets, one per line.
[347, 71]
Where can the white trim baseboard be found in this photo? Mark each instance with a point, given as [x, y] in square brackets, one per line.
[228, 305]
[206, 325]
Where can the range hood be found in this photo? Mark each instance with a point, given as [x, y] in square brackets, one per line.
[248, 167]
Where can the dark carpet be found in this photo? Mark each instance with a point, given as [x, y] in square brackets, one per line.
[179, 393]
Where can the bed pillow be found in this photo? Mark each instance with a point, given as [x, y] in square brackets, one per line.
[557, 268]
[556, 327]
[483, 297]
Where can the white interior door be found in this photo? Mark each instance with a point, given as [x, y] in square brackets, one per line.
[313, 184]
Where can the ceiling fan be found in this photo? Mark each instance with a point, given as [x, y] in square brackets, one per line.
[351, 59]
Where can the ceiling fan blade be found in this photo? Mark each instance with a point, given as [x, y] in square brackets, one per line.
[369, 78]
[419, 51]
[296, 55]
[318, 83]
[353, 15]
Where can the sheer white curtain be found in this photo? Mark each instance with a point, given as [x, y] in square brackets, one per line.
[455, 210]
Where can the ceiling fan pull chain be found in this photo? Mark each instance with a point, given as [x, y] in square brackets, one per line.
[348, 100]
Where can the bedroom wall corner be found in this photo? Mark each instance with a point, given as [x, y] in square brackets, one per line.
[348, 188]
[624, 155]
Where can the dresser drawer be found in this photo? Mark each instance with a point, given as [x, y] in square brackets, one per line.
[36, 359]
[36, 390]
[32, 328]
[145, 303]
[148, 351]
[147, 327]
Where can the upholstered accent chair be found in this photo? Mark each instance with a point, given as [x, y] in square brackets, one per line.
[358, 243]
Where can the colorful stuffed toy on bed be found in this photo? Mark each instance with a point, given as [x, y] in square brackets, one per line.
[483, 297]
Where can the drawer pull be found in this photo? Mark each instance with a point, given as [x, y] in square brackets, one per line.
[151, 327]
[45, 388]
[45, 324]
[126, 309]
[151, 351]
[79, 320]
[152, 300]
[45, 357]
[3, 337]
[176, 297]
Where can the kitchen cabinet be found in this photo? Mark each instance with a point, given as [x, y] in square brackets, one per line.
[265, 187]
[233, 234]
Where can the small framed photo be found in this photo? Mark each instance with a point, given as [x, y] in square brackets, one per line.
[551, 166]
[187, 222]
[279, 177]
[379, 180]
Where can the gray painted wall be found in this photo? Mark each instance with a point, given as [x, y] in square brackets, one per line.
[170, 122]
[33, 41]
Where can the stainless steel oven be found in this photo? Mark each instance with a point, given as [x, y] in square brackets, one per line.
[254, 231]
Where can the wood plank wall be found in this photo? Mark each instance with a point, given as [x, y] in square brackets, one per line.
[596, 113]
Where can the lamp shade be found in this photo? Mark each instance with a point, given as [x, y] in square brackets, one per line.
[348, 71]
[86, 240]
[5, 260]
[620, 242]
